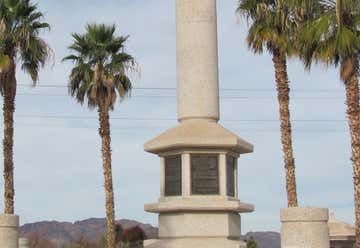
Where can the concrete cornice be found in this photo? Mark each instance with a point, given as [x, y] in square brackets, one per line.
[202, 205]
[201, 134]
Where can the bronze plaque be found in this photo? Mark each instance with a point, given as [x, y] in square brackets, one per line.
[173, 176]
[230, 175]
[204, 174]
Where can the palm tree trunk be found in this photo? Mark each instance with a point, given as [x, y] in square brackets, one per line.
[283, 98]
[8, 142]
[104, 132]
[353, 112]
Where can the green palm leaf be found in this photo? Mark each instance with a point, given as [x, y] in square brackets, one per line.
[101, 66]
[21, 25]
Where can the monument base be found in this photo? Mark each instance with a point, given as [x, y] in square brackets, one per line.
[195, 242]
[196, 225]
[9, 231]
[304, 228]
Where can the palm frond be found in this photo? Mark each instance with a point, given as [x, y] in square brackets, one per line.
[21, 24]
[101, 66]
[334, 37]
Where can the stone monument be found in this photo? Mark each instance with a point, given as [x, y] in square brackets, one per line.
[199, 205]
[342, 234]
[9, 231]
[305, 227]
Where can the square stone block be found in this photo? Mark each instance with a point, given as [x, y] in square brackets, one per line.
[202, 224]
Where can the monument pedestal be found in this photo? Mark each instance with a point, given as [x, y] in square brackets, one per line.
[194, 217]
[199, 204]
[305, 228]
[9, 231]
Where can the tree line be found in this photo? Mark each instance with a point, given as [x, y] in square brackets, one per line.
[132, 237]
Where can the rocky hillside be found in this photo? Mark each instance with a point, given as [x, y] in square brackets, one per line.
[90, 229]
[93, 229]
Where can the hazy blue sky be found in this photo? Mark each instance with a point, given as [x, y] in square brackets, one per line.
[58, 168]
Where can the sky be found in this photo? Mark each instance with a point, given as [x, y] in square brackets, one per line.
[58, 171]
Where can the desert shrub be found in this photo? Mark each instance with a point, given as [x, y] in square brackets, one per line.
[37, 241]
[251, 243]
[132, 238]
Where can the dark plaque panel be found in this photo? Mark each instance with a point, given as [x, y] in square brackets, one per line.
[173, 176]
[230, 175]
[204, 174]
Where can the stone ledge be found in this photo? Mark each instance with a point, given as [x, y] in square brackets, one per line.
[8, 220]
[195, 205]
[304, 214]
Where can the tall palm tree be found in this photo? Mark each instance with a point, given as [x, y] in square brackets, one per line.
[271, 28]
[100, 77]
[334, 38]
[20, 27]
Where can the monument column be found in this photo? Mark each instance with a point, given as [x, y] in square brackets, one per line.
[197, 60]
[199, 206]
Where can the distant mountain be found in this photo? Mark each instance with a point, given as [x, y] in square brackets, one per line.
[265, 239]
[90, 229]
[93, 229]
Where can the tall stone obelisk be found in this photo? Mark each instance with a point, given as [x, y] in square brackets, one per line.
[199, 204]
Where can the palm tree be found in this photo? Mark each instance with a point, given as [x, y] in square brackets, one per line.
[271, 28]
[99, 77]
[334, 38]
[19, 41]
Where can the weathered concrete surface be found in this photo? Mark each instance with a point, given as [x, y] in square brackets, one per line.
[202, 224]
[197, 60]
[9, 231]
[305, 228]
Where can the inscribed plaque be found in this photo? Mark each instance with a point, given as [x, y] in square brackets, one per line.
[204, 174]
[230, 175]
[173, 176]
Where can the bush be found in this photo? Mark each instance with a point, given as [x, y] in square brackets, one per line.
[132, 238]
[251, 243]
